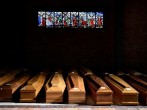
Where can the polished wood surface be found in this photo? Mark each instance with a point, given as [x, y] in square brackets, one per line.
[124, 94]
[120, 89]
[75, 88]
[139, 84]
[7, 90]
[98, 89]
[8, 76]
[29, 92]
[55, 87]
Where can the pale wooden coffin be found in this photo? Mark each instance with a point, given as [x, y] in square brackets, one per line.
[29, 92]
[139, 84]
[8, 76]
[8, 90]
[55, 88]
[123, 93]
[75, 88]
[98, 89]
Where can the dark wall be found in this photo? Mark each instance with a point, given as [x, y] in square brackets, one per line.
[135, 34]
[73, 47]
[122, 41]
[13, 32]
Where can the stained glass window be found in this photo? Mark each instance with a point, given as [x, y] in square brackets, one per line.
[66, 19]
[91, 19]
[82, 20]
[58, 20]
[99, 20]
[41, 18]
[50, 19]
[74, 19]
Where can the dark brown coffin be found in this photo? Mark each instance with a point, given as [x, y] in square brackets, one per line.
[29, 92]
[98, 89]
[55, 87]
[123, 93]
[75, 88]
[137, 82]
[8, 90]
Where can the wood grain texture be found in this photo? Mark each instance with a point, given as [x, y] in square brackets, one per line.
[55, 87]
[98, 89]
[75, 87]
[8, 89]
[139, 84]
[8, 76]
[124, 94]
[29, 92]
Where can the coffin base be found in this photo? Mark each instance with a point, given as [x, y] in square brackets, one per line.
[28, 100]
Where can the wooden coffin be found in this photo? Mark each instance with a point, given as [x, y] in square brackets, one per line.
[8, 76]
[75, 88]
[139, 84]
[8, 90]
[123, 93]
[29, 92]
[98, 89]
[138, 74]
[131, 72]
[55, 88]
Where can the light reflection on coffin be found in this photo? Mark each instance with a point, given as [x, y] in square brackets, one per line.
[29, 92]
[55, 87]
[124, 94]
[98, 89]
[75, 88]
